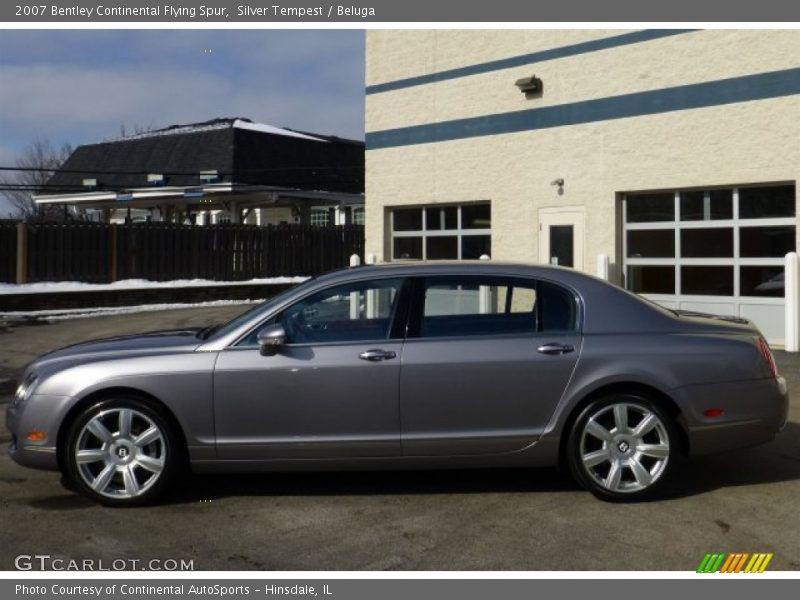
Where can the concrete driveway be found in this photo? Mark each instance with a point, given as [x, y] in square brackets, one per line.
[744, 501]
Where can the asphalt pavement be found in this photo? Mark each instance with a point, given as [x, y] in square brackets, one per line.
[524, 519]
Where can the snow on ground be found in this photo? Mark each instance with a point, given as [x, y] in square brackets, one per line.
[50, 287]
[107, 311]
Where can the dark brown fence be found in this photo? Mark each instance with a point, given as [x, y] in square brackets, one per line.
[8, 252]
[71, 252]
[101, 253]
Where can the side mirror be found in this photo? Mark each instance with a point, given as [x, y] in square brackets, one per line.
[271, 338]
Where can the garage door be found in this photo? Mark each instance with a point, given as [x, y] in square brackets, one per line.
[717, 250]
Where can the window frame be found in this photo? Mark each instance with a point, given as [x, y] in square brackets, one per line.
[397, 326]
[460, 232]
[417, 308]
[316, 211]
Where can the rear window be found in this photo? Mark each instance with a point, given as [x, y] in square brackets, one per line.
[466, 306]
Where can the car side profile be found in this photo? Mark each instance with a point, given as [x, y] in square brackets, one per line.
[413, 365]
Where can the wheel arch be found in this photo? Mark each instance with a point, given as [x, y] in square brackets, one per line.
[110, 392]
[661, 398]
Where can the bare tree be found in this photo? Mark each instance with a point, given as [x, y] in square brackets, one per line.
[136, 129]
[38, 160]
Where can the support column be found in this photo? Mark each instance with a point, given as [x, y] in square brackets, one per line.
[792, 298]
[602, 266]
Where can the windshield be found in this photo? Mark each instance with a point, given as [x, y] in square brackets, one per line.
[218, 331]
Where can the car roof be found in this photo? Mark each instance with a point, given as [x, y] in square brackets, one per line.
[419, 267]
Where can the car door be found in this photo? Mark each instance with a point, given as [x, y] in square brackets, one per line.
[486, 361]
[330, 391]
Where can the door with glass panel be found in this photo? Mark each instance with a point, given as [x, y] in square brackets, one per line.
[330, 391]
[485, 363]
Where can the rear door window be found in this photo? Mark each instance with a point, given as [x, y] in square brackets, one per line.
[470, 305]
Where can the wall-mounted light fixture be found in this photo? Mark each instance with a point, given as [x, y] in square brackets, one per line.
[156, 179]
[529, 85]
[560, 183]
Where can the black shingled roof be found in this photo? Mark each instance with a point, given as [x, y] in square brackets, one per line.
[240, 155]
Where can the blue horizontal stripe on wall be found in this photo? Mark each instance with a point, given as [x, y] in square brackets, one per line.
[526, 59]
[712, 93]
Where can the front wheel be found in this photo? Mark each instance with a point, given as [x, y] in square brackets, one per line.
[120, 452]
[622, 448]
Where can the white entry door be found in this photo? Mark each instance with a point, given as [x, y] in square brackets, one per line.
[561, 232]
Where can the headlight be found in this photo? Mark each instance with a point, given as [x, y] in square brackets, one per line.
[24, 390]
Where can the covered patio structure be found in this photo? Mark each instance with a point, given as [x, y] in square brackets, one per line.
[225, 170]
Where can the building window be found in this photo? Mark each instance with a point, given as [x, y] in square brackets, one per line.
[320, 217]
[725, 242]
[358, 216]
[442, 232]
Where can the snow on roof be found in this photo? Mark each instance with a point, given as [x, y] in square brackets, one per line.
[236, 123]
[263, 128]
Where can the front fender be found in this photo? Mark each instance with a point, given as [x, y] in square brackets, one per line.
[182, 382]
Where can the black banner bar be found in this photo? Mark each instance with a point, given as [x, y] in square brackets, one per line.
[394, 11]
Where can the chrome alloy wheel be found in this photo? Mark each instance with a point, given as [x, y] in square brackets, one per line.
[624, 447]
[120, 453]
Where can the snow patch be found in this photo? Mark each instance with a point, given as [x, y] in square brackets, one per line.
[108, 311]
[263, 128]
[214, 125]
[55, 287]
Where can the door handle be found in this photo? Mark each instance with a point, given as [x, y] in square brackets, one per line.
[555, 348]
[376, 354]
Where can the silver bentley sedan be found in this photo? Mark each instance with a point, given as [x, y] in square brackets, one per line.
[424, 365]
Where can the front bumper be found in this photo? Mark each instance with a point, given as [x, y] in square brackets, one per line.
[753, 413]
[37, 413]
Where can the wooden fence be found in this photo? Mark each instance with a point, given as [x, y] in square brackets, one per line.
[102, 253]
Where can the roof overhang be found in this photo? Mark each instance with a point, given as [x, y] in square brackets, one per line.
[205, 197]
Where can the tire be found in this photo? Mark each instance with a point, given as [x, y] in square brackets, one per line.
[121, 452]
[623, 448]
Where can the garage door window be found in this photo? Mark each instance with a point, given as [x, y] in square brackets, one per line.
[442, 232]
[723, 242]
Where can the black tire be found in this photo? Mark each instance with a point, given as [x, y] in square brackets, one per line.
[617, 469]
[132, 461]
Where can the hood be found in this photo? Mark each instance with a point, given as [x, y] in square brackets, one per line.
[152, 343]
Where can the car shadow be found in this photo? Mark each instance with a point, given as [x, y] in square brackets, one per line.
[775, 462]
[367, 483]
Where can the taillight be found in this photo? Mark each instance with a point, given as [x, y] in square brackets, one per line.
[763, 347]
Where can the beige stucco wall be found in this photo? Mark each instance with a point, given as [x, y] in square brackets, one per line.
[742, 143]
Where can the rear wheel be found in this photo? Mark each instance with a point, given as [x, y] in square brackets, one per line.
[622, 448]
[121, 452]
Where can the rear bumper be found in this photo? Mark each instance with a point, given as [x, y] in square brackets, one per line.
[753, 412]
